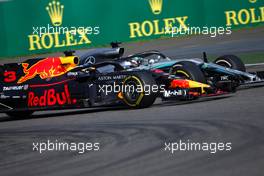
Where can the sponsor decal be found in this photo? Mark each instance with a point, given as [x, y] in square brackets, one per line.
[4, 96]
[55, 11]
[156, 27]
[156, 6]
[50, 97]
[46, 68]
[170, 93]
[224, 78]
[245, 16]
[113, 77]
[16, 97]
[90, 60]
[149, 28]
[15, 88]
[56, 40]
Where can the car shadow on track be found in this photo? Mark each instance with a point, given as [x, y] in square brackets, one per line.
[55, 113]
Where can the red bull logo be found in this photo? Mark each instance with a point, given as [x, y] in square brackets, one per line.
[50, 97]
[48, 68]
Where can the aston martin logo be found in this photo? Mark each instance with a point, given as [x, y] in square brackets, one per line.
[156, 6]
[55, 11]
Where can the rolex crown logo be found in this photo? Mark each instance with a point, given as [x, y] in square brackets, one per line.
[156, 6]
[55, 10]
[253, 1]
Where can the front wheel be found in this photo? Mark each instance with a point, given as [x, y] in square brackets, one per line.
[138, 90]
[188, 70]
[231, 61]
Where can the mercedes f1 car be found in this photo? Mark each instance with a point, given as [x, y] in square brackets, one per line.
[227, 72]
[72, 82]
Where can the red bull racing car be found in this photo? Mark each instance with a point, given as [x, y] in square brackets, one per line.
[70, 82]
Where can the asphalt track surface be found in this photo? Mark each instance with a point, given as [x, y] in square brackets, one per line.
[132, 141]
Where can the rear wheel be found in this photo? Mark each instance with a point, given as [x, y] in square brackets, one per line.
[138, 92]
[188, 70]
[20, 114]
[231, 61]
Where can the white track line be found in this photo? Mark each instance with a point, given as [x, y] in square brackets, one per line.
[6, 106]
[258, 64]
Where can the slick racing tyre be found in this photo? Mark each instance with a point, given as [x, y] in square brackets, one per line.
[138, 92]
[20, 114]
[188, 70]
[231, 61]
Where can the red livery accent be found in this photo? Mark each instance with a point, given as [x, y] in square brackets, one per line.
[158, 71]
[50, 98]
[49, 85]
[179, 84]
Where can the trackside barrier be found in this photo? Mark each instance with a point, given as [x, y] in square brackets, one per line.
[33, 27]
